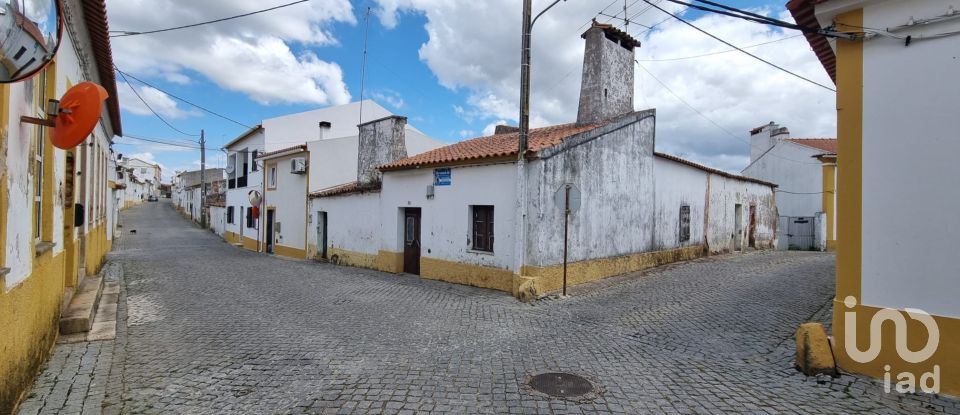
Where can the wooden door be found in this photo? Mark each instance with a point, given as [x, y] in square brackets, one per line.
[411, 241]
[321, 235]
[751, 239]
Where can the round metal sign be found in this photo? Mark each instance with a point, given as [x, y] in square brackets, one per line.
[561, 197]
[255, 198]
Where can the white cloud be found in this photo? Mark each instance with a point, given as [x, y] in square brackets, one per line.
[475, 46]
[159, 101]
[252, 55]
[390, 97]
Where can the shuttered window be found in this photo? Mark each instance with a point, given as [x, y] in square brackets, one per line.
[482, 228]
[229, 214]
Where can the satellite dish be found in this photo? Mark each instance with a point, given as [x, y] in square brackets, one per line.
[78, 114]
[30, 33]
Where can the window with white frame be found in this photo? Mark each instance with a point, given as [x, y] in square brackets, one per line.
[272, 182]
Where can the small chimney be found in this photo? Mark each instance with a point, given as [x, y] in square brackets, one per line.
[382, 141]
[606, 90]
[763, 138]
[324, 128]
[504, 129]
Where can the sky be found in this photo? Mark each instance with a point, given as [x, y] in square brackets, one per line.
[452, 67]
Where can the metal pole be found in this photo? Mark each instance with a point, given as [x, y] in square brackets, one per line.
[566, 221]
[203, 181]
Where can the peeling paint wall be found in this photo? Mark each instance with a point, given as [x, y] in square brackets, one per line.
[677, 185]
[725, 194]
[615, 175]
[381, 141]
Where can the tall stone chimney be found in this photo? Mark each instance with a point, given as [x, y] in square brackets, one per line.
[381, 141]
[607, 86]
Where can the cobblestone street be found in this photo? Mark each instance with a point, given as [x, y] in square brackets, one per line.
[204, 327]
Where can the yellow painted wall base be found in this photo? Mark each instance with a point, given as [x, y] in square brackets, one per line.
[550, 278]
[354, 259]
[30, 324]
[388, 261]
[831, 246]
[247, 242]
[466, 274]
[946, 356]
[96, 247]
[290, 252]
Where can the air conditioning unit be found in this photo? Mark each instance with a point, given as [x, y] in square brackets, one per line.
[298, 165]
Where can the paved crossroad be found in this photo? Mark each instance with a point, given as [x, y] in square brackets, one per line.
[208, 328]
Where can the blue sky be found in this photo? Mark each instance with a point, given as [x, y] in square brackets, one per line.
[451, 67]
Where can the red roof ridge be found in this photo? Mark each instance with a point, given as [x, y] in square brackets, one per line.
[826, 144]
[302, 147]
[345, 188]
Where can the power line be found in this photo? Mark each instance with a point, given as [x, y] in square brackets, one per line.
[804, 193]
[211, 112]
[720, 52]
[194, 146]
[741, 50]
[702, 115]
[151, 108]
[124, 33]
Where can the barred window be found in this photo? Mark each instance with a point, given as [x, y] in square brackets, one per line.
[684, 223]
[482, 228]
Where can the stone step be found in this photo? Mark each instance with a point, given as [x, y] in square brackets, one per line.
[79, 315]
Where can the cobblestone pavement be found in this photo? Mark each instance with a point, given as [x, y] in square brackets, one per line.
[204, 327]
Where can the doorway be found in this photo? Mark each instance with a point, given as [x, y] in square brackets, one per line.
[321, 235]
[269, 235]
[411, 241]
[752, 230]
[738, 227]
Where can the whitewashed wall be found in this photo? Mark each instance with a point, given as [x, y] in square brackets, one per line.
[218, 219]
[792, 167]
[353, 223]
[293, 129]
[678, 184]
[238, 197]
[446, 221]
[289, 199]
[725, 194]
[332, 162]
[910, 167]
[615, 175]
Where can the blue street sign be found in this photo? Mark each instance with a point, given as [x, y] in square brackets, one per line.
[442, 177]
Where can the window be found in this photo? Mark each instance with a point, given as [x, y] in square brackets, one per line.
[229, 214]
[272, 182]
[483, 228]
[19, 52]
[684, 223]
[143, 170]
[254, 158]
[250, 218]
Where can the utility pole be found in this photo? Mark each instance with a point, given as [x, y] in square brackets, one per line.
[523, 135]
[203, 181]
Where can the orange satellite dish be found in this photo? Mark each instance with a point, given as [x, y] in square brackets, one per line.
[78, 115]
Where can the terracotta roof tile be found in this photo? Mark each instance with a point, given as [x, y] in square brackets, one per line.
[825, 144]
[803, 12]
[95, 17]
[346, 188]
[301, 147]
[492, 146]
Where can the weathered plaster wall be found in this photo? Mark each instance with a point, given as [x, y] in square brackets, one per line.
[678, 184]
[725, 194]
[381, 141]
[613, 168]
[218, 220]
[794, 169]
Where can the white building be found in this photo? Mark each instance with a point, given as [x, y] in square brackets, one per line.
[57, 207]
[146, 172]
[897, 170]
[331, 136]
[453, 213]
[186, 191]
[791, 163]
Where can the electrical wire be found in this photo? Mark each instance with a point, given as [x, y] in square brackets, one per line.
[151, 108]
[211, 112]
[804, 193]
[711, 121]
[740, 49]
[196, 147]
[125, 33]
[720, 52]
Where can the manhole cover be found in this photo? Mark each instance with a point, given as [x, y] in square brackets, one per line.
[564, 385]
